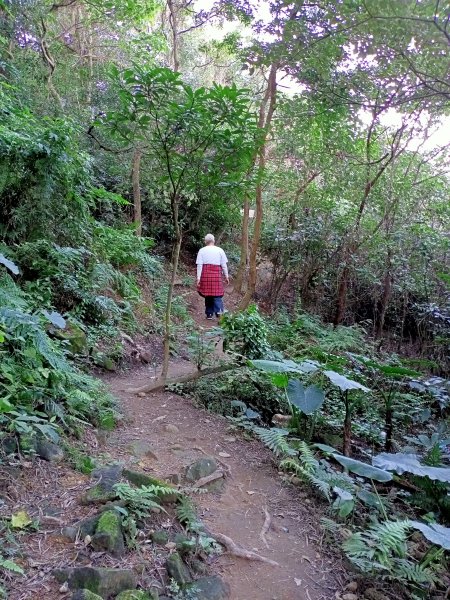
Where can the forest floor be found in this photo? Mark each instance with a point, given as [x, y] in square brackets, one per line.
[161, 434]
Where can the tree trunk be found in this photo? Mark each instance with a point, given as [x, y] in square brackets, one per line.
[167, 317]
[173, 20]
[342, 295]
[242, 269]
[389, 417]
[347, 438]
[264, 122]
[387, 292]
[135, 177]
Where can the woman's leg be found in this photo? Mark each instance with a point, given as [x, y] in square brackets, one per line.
[218, 305]
[209, 306]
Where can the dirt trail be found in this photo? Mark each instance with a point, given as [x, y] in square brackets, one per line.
[253, 488]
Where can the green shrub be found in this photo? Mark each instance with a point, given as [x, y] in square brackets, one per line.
[248, 386]
[246, 333]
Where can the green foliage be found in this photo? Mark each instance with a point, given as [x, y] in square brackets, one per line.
[44, 187]
[41, 392]
[245, 332]
[306, 336]
[275, 439]
[142, 500]
[382, 550]
[254, 390]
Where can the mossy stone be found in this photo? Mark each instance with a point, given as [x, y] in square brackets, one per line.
[160, 537]
[104, 490]
[85, 595]
[185, 544]
[201, 468]
[108, 534]
[76, 338]
[177, 570]
[104, 582]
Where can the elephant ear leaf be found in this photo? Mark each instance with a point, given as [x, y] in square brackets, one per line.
[363, 469]
[55, 319]
[343, 383]
[435, 533]
[9, 264]
[307, 400]
[409, 463]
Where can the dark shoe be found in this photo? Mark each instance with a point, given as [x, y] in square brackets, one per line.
[209, 317]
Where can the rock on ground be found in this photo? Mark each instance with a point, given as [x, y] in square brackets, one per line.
[49, 451]
[177, 569]
[209, 588]
[103, 491]
[108, 534]
[104, 582]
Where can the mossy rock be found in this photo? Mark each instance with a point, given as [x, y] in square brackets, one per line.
[185, 544]
[104, 582]
[104, 361]
[85, 595]
[177, 570]
[108, 534]
[76, 339]
[104, 490]
[159, 537]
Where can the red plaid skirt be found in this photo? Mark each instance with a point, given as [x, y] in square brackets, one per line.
[211, 283]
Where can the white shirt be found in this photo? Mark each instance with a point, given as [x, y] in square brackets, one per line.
[211, 255]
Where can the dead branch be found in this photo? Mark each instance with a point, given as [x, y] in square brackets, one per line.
[161, 383]
[209, 478]
[239, 552]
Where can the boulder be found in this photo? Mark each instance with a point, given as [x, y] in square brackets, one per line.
[184, 544]
[48, 450]
[160, 537]
[69, 533]
[103, 491]
[209, 588]
[76, 339]
[177, 570]
[373, 594]
[104, 582]
[108, 534]
[141, 449]
[85, 595]
[201, 468]
[170, 428]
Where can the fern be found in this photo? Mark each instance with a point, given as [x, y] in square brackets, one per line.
[413, 572]
[275, 439]
[307, 457]
[144, 499]
[382, 549]
[187, 515]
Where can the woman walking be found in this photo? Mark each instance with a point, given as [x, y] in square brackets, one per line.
[211, 268]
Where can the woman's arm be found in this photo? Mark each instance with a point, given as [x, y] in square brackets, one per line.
[199, 266]
[223, 264]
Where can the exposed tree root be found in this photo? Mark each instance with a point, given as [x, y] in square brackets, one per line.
[236, 550]
[265, 527]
